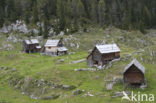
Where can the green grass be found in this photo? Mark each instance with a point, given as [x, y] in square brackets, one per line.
[47, 68]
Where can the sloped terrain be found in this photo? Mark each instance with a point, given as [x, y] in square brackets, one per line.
[33, 78]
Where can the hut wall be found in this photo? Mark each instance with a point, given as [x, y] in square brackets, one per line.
[133, 76]
[96, 55]
[109, 56]
[117, 55]
[90, 61]
[51, 49]
[60, 44]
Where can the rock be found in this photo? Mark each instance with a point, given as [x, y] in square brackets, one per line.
[1, 68]
[109, 65]
[78, 61]
[13, 69]
[119, 94]
[33, 97]
[19, 26]
[115, 60]
[53, 96]
[60, 61]
[35, 31]
[77, 92]
[107, 36]
[8, 47]
[117, 80]
[41, 83]
[143, 86]
[4, 30]
[70, 53]
[109, 86]
[100, 67]
[72, 45]
[68, 87]
[12, 38]
[88, 94]
[43, 91]
[85, 69]
[61, 33]
[27, 83]
[97, 77]
[51, 31]
[78, 45]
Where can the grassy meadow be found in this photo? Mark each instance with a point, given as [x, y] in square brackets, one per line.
[37, 67]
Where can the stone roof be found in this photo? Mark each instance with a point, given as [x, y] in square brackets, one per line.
[27, 41]
[108, 48]
[34, 41]
[62, 49]
[51, 43]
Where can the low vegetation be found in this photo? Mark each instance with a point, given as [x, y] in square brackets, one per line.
[33, 78]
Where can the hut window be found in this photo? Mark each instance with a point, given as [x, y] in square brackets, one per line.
[49, 47]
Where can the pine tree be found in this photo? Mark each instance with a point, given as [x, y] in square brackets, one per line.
[61, 14]
[46, 24]
[2, 12]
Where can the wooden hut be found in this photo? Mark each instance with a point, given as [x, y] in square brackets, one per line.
[55, 47]
[134, 74]
[31, 46]
[102, 54]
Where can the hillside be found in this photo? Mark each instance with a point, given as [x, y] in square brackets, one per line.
[35, 78]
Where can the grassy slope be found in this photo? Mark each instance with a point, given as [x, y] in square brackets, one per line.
[38, 67]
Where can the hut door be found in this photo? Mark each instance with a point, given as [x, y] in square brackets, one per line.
[95, 62]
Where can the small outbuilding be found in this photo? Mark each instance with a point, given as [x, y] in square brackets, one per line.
[55, 47]
[134, 74]
[102, 54]
[31, 46]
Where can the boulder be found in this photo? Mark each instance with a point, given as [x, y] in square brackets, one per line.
[12, 38]
[119, 94]
[78, 61]
[13, 69]
[53, 96]
[77, 92]
[60, 61]
[86, 69]
[33, 97]
[109, 86]
[68, 87]
[72, 45]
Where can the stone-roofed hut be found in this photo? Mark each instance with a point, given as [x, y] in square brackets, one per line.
[55, 47]
[102, 54]
[31, 46]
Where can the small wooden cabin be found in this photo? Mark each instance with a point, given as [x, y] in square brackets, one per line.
[55, 47]
[102, 54]
[134, 74]
[31, 46]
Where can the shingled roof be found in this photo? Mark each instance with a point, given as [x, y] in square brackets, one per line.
[32, 41]
[108, 48]
[51, 43]
[137, 64]
[27, 41]
[62, 49]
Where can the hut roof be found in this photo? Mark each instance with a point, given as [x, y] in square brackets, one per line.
[27, 41]
[62, 49]
[34, 41]
[108, 48]
[51, 43]
[137, 64]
